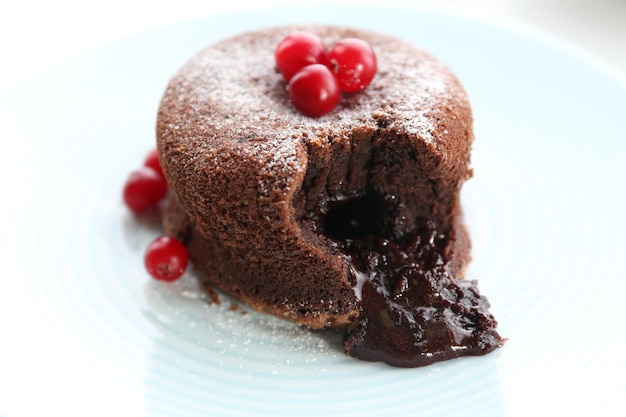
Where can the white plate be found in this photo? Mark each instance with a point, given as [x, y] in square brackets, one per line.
[85, 331]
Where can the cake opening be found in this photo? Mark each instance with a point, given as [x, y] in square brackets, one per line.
[375, 204]
[354, 218]
[374, 200]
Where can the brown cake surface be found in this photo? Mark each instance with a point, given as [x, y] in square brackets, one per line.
[296, 216]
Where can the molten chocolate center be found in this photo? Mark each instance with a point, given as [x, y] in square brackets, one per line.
[414, 311]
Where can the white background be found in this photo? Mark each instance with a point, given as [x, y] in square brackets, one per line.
[36, 35]
[74, 362]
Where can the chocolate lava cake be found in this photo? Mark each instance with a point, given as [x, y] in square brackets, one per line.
[349, 221]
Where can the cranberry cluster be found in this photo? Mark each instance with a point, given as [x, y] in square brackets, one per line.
[316, 76]
[165, 258]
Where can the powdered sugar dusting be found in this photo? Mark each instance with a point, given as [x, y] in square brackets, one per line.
[234, 88]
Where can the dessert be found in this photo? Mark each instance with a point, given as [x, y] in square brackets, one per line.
[351, 220]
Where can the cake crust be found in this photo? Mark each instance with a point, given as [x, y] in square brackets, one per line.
[247, 167]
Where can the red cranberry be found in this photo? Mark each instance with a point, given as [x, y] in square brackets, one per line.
[166, 259]
[314, 90]
[152, 161]
[298, 50]
[354, 64]
[144, 189]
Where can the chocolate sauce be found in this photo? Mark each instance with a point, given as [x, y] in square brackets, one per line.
[414, 311]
